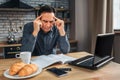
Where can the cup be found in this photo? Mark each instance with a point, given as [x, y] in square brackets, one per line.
[25, 57]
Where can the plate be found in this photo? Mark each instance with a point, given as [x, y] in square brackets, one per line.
[6, 74]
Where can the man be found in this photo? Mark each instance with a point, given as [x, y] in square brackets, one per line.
[43, 34]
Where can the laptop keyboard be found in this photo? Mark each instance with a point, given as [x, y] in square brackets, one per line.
[88, 62]
[84, 60]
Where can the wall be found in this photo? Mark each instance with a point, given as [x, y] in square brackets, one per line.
[81, 24]
[18, 18]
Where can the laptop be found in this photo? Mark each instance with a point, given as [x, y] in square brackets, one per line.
[101, 56]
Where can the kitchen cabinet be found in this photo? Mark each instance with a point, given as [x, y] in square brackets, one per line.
[9, 50]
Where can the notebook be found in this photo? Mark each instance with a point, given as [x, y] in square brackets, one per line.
[102, 53]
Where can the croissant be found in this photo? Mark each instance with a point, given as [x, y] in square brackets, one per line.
[15, 68]
[27, 70]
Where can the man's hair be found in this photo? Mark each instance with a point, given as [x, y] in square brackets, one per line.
[46, 8]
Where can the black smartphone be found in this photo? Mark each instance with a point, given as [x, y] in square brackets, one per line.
[57, 72]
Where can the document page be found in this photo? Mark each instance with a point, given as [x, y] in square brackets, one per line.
[47, 60]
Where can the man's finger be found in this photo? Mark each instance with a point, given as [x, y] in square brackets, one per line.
[55, 18]
[38, 18]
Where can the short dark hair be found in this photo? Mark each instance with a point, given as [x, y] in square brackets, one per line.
[46, 8]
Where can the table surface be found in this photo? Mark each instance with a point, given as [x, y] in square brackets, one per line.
[111, 71]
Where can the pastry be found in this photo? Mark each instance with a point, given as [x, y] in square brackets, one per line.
[16, 67]
[28, 69]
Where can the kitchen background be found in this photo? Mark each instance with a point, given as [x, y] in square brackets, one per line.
[13, 21]
[80, 28]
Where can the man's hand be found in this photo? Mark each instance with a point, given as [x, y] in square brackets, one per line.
[37, 24]
[60, 26]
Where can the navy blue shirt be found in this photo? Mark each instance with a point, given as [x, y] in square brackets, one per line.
[44, 43]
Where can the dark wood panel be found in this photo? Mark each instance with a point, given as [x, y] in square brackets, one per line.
[116, 48]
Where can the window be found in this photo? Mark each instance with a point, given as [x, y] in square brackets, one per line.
[116, 14]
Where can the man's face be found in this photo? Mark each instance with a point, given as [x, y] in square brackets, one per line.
[48, 21]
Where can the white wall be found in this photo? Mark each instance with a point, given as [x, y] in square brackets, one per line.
[81, 24]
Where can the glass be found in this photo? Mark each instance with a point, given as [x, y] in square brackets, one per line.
[116, 14]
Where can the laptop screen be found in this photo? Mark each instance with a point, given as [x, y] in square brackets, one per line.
[103, 47]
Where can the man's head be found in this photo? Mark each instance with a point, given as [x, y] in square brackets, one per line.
[46, 8]
[47, 14]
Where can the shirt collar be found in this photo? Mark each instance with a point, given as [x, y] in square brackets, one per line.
[47, 32]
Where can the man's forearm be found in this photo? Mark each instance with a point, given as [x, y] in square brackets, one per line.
[64, 44]
[28, 44]
[62, 32]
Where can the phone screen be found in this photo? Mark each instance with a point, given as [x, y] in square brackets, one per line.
[57, 71]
